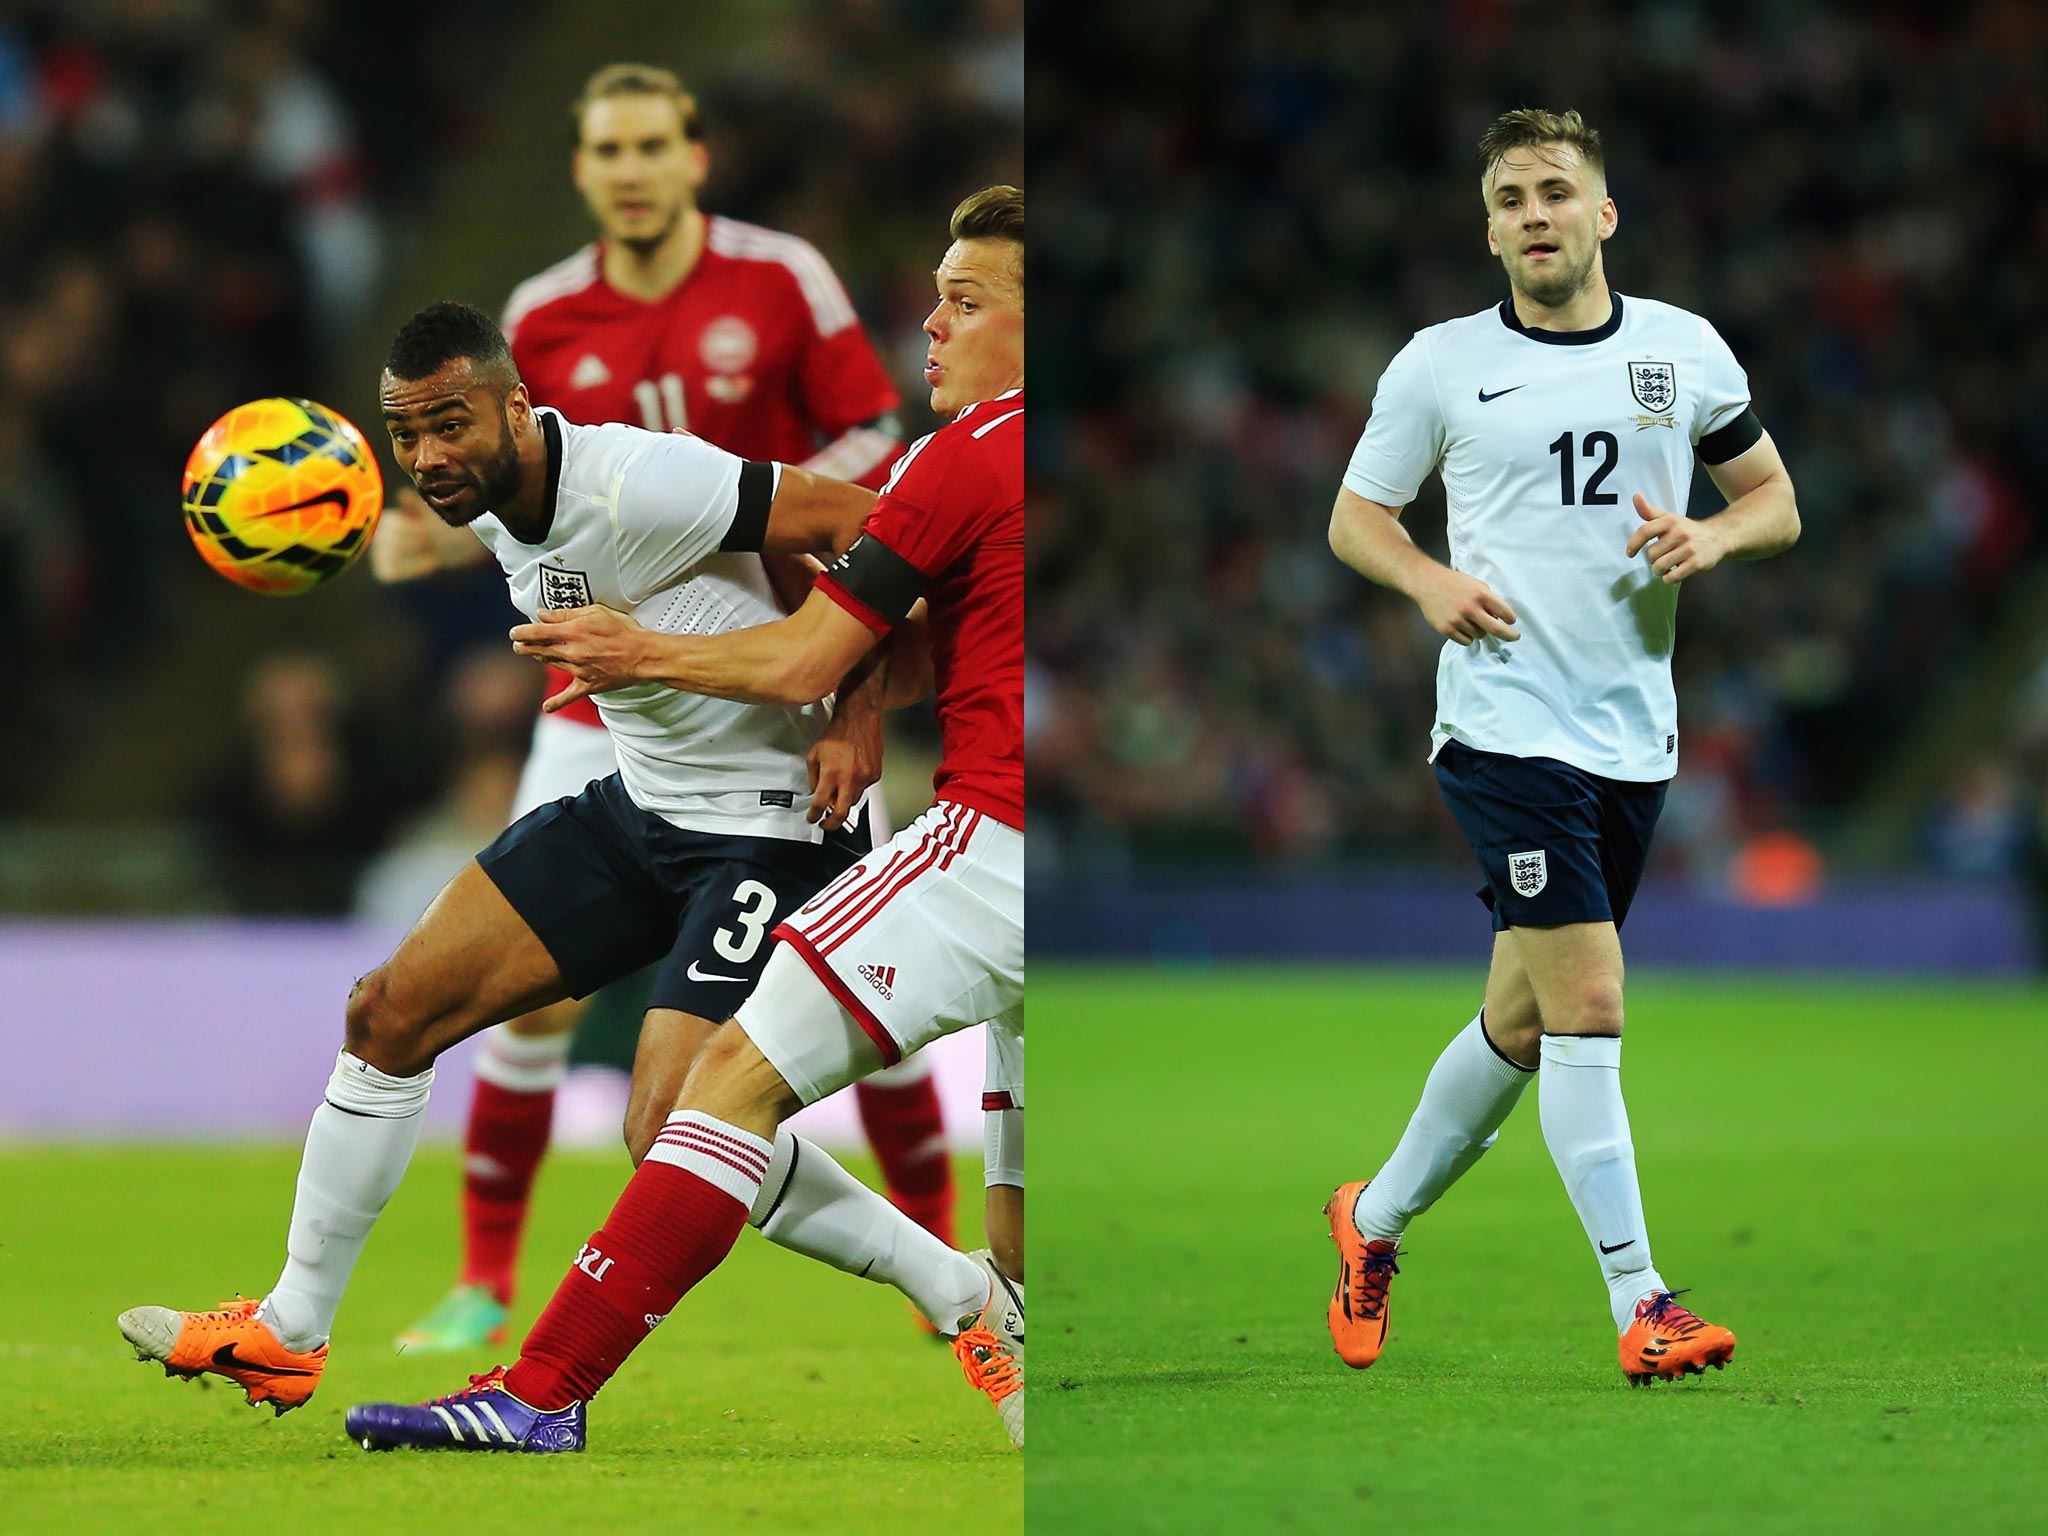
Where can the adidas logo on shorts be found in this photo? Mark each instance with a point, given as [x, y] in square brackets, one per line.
[881, 977]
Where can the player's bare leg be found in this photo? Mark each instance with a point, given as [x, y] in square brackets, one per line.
[469, 962]
[1471, 1090]
[1575, 971]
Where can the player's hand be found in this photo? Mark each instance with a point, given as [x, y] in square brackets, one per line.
[1464, 608]
[1677, 546]
[596, 646]
[406, 546]
[841, 771]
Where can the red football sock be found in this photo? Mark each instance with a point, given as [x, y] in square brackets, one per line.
[507, 1137]
[679, 1217]
[908, 1132]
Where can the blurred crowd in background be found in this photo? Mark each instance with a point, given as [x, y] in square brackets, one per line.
[205, 201]
[1843, 190]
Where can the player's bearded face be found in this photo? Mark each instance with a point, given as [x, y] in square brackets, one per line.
[461, 490]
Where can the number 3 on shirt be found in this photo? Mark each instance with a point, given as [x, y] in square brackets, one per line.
[1596, 442]
[757, 906]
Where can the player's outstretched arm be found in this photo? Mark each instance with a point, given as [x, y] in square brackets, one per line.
[411, 542]
[793, 661]
[1369, 538]
[1760, 520]
[814, 514]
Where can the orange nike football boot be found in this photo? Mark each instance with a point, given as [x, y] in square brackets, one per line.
[1358, 1307]
[1666, 1342]
[229, 1341]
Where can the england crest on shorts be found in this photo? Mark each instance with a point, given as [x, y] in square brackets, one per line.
[1528, 872]
[1655, 385]
[563, 589]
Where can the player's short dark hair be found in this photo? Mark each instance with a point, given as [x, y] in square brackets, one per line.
[993, 213]
[635, 80]
[437, 335]
[1532, 128]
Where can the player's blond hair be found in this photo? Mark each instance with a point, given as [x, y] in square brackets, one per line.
[993, 213]
[1534, 128]
[635, 80]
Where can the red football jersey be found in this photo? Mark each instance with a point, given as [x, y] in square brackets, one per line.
[954, 508]
[758, 350]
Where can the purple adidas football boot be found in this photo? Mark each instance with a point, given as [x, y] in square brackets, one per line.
[481, 1417]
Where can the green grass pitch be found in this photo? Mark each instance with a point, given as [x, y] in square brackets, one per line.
[779, 1397]
[1851, 1175]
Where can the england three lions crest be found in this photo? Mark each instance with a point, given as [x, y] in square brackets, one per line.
[1529, 872]
[1655, 385]
[563, 589]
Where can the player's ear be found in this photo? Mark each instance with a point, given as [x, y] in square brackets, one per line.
[1610, 218]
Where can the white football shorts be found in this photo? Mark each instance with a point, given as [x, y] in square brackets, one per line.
[921, 938]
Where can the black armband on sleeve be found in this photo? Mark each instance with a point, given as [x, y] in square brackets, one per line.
[749, 528]
[879, 577]
[1732, 440]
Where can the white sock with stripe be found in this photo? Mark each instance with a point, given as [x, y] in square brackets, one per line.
[1585, 1125]
[1469, 1092]
[811, 1205]
[357, 1150]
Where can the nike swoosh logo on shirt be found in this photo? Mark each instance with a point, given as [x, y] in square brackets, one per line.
[696, 975]
[1484, 396]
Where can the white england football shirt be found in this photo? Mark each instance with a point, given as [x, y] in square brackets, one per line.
[638, 518]
[1543, 438]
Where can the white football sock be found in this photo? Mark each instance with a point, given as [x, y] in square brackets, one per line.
[1469, 1092]
[361, 1139]
[1585, 1125]
[811, 1205]
[523, 1063]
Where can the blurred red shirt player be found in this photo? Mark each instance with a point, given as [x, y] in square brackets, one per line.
[672, 319]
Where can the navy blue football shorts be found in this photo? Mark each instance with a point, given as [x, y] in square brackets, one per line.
[1555, 843]
[609, 888]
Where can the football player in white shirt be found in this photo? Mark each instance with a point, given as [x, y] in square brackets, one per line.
[690, 852]
[1565, 423]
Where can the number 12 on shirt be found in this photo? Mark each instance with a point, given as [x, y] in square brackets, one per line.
[1601, 443]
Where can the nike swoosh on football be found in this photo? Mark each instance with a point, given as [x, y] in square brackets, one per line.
[1484, 396]
[696, 975]
[225, 1359]
[339, 498]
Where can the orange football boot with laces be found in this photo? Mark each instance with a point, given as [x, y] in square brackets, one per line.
[1358, 1307]
[1666, 1342]
[230, 1341]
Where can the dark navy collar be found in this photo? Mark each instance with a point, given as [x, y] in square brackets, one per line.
[551, 430]
[1563, 338]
